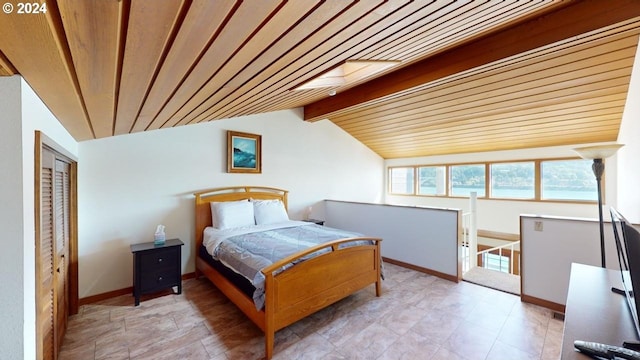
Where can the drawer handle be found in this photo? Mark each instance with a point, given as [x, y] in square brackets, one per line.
[159, 259]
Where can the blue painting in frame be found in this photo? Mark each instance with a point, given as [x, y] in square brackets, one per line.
[244, 152]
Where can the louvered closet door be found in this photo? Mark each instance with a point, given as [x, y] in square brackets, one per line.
[46, 300]
[61, 207]
[54, 254]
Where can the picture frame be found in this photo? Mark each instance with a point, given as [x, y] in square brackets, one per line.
[244, 152]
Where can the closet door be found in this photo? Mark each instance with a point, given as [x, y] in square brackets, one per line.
[61, 211]
[53, 251]
[45, 264]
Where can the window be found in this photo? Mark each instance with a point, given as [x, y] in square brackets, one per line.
[401, 180]
[467, 178]
[513, 180]
[568, 180]
[559, 180]
[432, 180]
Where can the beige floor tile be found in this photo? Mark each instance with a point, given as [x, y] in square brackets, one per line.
[410, 346]
[471, 341]
[502, 351]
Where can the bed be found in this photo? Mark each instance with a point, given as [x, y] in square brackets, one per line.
[297, 291]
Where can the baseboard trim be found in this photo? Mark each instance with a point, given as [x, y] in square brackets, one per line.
[544, 303]
[104, 296]
[421, 269]
[115, 293]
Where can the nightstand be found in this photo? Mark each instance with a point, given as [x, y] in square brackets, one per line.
[156, 267]
[316, 221]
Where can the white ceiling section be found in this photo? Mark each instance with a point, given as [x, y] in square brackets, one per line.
[472, 76]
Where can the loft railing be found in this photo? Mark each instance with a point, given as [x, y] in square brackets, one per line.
[485, 255]
[470, 235]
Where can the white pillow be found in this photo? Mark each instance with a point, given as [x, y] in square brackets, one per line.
[232, 214]
[269, 211]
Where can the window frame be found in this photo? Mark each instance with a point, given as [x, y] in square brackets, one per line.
[488, 196]
[535, 178]
[450, 184]
[446, 180]
[390, 183]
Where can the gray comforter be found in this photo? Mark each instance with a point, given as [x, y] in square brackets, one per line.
[248, 253]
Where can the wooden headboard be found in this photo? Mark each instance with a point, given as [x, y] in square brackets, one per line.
[235, 193]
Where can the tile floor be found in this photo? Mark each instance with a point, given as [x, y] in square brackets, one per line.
[417, 317]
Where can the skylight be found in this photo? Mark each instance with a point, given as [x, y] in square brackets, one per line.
[349, 72]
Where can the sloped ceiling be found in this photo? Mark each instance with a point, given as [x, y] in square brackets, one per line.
[472, 76]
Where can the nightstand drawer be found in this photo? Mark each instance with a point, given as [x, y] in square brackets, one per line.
[160, 259]
[161, 279]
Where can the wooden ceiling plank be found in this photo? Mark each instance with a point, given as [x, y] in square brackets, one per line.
[497, 146]
[402, 121]
[433, 105]
[149, 31]
[305, 61]
[92, 29]
[522, 99]
[469, 139]
[262, 66]
[32, 43]
[448, 22]
[281, 23]
[596, 135]
[231, 39]
[409, 125]
[532, 127]
[449, 30]
[521, 128]
[410, 30]
[565, 119]
[351, 31]
[408, 128]
[503, 77]
[412, 127]
[627, 29]
[469, 80]
[197, 31]
[394, 33]
[584, 16]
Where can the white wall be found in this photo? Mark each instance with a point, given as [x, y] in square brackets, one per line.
[35, 116]
[628, 200]
[504, 215]
[129, 184]
[12, 259]
[547, 254]
[420, 236]
[22, 114]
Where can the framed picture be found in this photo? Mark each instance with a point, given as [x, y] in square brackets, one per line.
[244, 152]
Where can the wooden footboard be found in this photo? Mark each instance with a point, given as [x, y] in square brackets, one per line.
[307, 287]
[317, 283]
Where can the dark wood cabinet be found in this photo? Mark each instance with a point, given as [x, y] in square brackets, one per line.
[156, 267]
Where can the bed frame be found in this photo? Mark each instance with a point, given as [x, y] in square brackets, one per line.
[300, 290]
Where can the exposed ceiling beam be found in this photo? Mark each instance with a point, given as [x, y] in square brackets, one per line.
[6, 68]
[574, 19]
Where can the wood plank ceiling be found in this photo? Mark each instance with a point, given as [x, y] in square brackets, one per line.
[472, 76]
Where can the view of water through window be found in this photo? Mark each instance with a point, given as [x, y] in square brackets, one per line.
[565, 180]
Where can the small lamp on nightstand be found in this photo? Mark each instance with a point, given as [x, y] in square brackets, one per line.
[597, 153]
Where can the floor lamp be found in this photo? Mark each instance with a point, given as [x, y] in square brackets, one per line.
[597, 153]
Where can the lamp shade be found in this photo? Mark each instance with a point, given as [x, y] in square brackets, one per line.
[598, 151]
